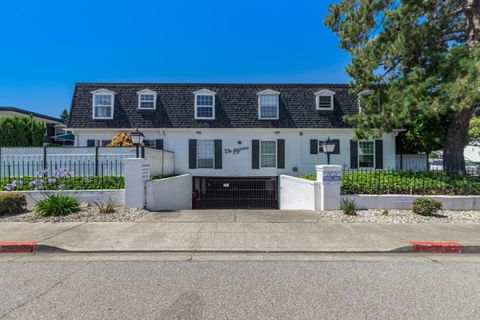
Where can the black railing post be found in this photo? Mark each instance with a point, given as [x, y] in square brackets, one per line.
[143, 152]
[45, 165]
[96, 161]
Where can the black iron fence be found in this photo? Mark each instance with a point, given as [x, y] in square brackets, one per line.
[82, 161]
[62, 176]
[408, 182]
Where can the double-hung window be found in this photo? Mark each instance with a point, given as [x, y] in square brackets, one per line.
[103, 104]
[268, 154]
[205, 154]
[204, 104]
[268, 106]
[268, 103]
[147, 99]
[366, 154]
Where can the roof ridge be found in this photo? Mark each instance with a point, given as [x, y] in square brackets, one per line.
[226, 84]
[28, 112]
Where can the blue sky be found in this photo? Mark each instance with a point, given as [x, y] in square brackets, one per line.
[47, 46]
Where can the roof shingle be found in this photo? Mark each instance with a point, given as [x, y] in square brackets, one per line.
[236, 106]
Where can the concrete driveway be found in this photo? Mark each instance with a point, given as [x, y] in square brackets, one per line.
[247, 216]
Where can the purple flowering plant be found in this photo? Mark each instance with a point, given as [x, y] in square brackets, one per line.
[44, 181]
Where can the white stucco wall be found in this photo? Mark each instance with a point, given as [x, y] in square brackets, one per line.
[297, 148]
[296, 194]
[406, 201]
[83, 196]
[162, 163]
[173, 193]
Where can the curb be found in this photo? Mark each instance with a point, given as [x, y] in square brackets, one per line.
[18, 247]
[439, 247]
[416, 246]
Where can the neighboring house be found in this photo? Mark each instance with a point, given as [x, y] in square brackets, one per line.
[55, 127]
[231, 130]
[472, 153]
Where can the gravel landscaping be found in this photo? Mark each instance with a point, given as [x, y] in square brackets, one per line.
[403, 216]
[86, 214]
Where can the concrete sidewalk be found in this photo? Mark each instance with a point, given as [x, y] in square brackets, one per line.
[302, 232]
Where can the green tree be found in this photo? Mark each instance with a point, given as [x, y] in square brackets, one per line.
[416, 55]
[424, 134]
[64, 116]
[474, 132]
[21, 132]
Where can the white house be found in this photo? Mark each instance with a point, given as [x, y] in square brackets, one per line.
[225, 134]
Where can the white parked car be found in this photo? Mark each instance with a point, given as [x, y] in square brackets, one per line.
[470, 166]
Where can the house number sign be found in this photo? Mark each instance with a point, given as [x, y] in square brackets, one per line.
[235, 150]
[332, 177]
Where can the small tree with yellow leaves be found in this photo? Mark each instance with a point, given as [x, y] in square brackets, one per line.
[121, 139]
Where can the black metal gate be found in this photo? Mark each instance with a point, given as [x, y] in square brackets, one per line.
[235, 193]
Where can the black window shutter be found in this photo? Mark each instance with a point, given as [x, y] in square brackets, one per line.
[159, 144]
[255, 154]
[353, 154]
[281, 154]
[313, 146]
[378, 154]
[90, 143]
[218, 154]
[192, 154]
[337, 146]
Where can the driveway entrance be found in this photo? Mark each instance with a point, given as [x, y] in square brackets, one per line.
[235, 193]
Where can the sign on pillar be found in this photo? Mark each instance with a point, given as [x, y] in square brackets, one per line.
[329, 179]
[137, 173]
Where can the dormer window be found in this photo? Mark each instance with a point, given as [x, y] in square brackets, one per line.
[204, 104]
[324, 100]
[147, 99]
[268, 104]
[363, 94]
[103, 104]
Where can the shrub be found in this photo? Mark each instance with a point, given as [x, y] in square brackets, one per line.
[12, 203]
[106, 207]
[426, 207]
[57, 205]
[69, 183]
[349, 207]
[406, 182]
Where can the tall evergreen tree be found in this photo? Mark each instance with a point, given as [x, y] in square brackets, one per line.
[418, 56]
[64, 116]
[21, 132]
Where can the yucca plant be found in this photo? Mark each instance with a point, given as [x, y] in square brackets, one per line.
[106, 207]
[57, 205]
[349, 207]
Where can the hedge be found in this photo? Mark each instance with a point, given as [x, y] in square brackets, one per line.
[70, 183]
[406, 182]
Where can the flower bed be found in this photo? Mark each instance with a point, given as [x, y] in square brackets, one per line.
[68, 183]
[406, 182]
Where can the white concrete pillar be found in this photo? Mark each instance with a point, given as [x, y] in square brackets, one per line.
[137, 173]
[329, 180]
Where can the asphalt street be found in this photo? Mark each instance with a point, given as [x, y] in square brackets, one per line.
[222, 286]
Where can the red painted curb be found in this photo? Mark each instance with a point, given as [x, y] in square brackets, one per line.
[17, 247]
[437, 247]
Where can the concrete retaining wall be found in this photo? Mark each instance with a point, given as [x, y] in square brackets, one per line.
[296, 194]
[84, 196]
[406, 201]
[162, 162]
[173, 193]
